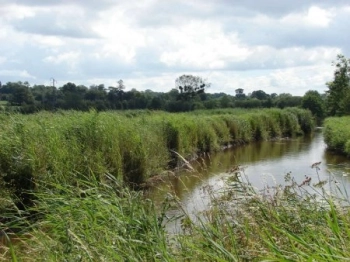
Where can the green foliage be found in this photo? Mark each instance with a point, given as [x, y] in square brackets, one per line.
[133, 146]
[339, 89]
[102, 221]
[313, 101]
[188, 95]
[337, 133]
[190, 86]
[259, 94]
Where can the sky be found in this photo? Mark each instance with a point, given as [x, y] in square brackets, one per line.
[271, 45]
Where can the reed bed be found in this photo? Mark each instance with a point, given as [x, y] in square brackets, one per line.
[131, 146]
[66, 176]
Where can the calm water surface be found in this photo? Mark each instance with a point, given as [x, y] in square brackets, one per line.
[264, 164]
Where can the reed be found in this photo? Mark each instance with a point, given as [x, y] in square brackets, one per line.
[104, 221]
[289, 223]
[133, 146]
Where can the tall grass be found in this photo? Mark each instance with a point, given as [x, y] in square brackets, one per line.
[104, 222]
[337, 133]
[107, 222]
[289, 223]
[67, 146]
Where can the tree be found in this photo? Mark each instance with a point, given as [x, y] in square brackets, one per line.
[73, 96]
[226, 101]
[116, 94]
[339, 88]
[287, 100]
[313, 101]
[259, 94]
[190, 86]
[20, 94]
[240, 93]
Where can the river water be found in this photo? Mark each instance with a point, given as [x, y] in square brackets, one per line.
[263, 164]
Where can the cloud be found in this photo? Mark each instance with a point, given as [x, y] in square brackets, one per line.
[202, 45]
[250, 44]
[67, 21]
[16, 73]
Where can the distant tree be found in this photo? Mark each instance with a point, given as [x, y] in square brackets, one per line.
[20, 94]
[338, 92]
[156, 103]
[226, 101]
[287, 100]
[190, 86]
[248, 103]
[259, 94]
[95, 93]
[313, 101]
[115, 95]
[211, 104]
[240, 93]
[73, 96]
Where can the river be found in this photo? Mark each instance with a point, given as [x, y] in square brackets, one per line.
[264, 163]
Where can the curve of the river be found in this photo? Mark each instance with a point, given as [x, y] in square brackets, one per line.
[264, 163]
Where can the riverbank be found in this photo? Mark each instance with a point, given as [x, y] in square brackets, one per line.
[66, 174]
[337, 134]
[110, 223]
[132, 147]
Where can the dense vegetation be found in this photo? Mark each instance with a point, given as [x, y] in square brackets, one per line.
[64, 174]
[130, 146]
[18, 96]
[107, 223]
[337, 133]
[54, 162]
[190, 93]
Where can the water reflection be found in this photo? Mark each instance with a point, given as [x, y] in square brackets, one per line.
[264, 163]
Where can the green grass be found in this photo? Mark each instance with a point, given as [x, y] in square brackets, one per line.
[107, 222]
[131, 146]
[66, 176]
[280, 224]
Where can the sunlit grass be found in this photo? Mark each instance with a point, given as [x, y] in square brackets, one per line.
[68, 174]
[107, 222]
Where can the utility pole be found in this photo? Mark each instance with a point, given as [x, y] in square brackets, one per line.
[53, 80]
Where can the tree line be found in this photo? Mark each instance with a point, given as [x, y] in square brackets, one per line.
[188, 94]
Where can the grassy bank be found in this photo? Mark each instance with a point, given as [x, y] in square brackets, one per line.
[65, 175]
[110, 223]
[337, 133]
[132, 146]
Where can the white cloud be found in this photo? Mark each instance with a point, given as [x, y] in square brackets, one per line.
[69, 59]
[2, 59]
[254, 45]
[16, 73]
[202, 45]
[119, 37]
[12, 12]
[315, 16]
